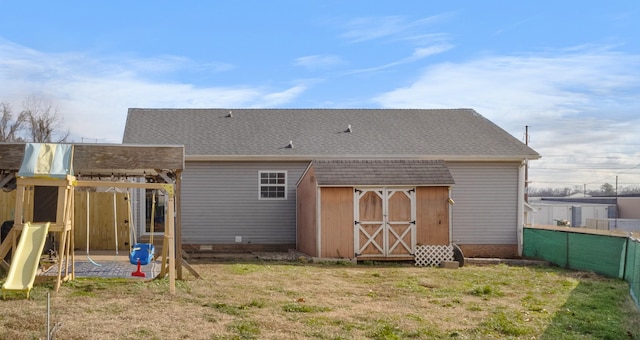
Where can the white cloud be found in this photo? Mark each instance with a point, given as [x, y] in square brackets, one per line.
[93, 94]
[418, 54]
[570, 99]
[370, 28]
[272, 100]
[315, 62]
[364, 29]
[424, 52]
[514, 87]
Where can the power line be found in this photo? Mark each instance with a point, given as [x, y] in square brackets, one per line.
[606, 155]
[583, 169]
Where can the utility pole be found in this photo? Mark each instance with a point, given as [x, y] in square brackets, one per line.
[616, 222]
[526, 166]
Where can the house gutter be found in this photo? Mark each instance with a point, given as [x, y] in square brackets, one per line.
[283, 157]
[318, 222]
[451, 202]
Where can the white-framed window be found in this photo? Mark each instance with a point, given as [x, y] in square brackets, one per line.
[272, 185]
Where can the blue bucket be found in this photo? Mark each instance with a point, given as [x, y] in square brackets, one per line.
[143, 252]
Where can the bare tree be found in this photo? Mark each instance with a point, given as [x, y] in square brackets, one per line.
[10, 127]
[43, 120]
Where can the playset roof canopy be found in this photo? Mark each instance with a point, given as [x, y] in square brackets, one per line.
[92, 159]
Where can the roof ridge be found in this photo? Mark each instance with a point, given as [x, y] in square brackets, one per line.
[301, 109]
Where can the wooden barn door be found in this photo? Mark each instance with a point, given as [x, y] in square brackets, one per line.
[384, 222]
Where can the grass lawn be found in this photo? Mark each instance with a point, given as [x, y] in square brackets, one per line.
[263, 300]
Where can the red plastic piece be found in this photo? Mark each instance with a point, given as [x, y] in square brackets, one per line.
[138, 272]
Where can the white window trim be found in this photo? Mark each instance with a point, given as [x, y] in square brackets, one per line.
[285, 185]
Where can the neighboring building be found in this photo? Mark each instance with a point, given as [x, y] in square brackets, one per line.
[603, 213]
[243, 172]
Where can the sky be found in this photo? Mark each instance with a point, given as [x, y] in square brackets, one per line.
[569, 70]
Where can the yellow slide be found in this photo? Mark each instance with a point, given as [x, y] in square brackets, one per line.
[25, 261]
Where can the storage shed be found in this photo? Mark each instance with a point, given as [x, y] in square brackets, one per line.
[373, 209]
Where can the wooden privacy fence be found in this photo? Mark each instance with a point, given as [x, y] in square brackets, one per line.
[102, 231]
[7, 205]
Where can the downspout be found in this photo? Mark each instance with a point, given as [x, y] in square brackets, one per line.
[520, 209]
[318, 221]
[450, 208]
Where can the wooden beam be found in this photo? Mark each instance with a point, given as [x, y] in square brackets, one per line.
[178, 234]
[108, 184]
[191, 269]
[170, 234]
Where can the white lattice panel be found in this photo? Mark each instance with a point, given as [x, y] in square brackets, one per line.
[433, 255]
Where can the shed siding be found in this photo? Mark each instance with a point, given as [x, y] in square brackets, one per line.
[336, 218]
[432, 215]
[486, 199]
[220, 201]
[307, 214]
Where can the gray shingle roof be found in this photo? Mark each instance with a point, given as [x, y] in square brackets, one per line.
[448, 134]
[382, 172]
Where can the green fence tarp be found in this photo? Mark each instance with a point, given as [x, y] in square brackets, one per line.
[546, 245]
[632, 268]
[608, 255]
[600, 254]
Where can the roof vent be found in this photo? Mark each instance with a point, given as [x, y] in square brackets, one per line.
[348, 130]
[290, 145]
[229, 115]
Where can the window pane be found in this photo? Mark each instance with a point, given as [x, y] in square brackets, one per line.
[273, 184]
[272, 192]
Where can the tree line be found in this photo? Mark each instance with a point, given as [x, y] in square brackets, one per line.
[606, 190]
[38, 121]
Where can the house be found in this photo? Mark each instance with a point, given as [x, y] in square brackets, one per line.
[262, 179]
[599, 212]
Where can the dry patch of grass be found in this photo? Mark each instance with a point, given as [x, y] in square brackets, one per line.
[328, 301]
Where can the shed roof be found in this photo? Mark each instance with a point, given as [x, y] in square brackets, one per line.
[214, 134]
[381, 172]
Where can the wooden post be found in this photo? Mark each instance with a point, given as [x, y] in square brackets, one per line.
[171, 244]
[18, 212]
[178, 190]
[71, 220]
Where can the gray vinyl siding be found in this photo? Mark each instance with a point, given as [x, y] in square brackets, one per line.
[220, 201]
[486, 201]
